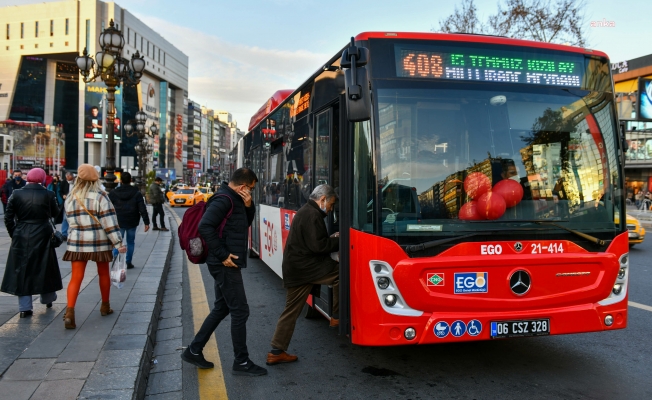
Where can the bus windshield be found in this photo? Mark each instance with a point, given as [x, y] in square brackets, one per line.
[556, 145]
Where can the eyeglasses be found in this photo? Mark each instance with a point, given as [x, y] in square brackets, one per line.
[251, 188]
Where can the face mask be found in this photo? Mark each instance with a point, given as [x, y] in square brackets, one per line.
[18, 178]
[323, 209]
[515, 178]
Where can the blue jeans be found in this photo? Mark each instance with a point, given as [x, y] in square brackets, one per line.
[64, 225]
[25, 302]
[131, 243]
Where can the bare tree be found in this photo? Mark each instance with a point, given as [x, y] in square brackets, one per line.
[463, 21]
[554, 21]
[560, 21]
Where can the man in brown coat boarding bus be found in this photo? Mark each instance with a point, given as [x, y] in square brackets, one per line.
[306, 262]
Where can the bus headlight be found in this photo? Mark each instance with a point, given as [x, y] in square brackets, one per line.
[389, 296]
[390, 300]
[608, 320]
[383, 282]
[619, 289]
[621, 272]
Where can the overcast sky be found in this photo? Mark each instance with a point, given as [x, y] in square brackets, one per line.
[242, 51]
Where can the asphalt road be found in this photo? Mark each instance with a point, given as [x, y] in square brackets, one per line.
[609, 365]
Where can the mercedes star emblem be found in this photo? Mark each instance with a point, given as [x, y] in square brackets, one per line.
[518, 246]
[520, 282]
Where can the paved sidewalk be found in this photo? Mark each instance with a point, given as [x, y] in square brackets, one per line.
[105, 357]
[644, 217]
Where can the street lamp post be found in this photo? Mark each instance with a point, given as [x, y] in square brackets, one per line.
[113, 70]
[143, 148]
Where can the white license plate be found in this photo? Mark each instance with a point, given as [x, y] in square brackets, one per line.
[633, 235]
[179, 201]
[533, 327]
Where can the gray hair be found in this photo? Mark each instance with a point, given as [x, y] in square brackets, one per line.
[323, 190]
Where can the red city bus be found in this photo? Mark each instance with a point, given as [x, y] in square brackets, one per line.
[480, 183]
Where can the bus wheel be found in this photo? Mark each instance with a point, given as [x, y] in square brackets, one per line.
[311, 313]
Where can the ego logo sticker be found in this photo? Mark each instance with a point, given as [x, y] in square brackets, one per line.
[471, 282]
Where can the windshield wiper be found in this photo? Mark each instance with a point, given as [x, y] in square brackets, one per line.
[433, 243]
[578, 233]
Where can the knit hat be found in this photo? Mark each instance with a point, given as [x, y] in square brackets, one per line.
[87, 172]
[36, 175]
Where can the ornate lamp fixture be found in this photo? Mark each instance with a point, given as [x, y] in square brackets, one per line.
[112, 69]
[143, 148]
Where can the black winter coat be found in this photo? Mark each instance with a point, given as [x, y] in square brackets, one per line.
[307, 254]
[14, 186]
[235, 236]
[32, 266]
[129, 206]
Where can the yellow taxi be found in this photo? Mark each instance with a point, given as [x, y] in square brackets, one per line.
[636, 231]
[188, 196]
[207, 192]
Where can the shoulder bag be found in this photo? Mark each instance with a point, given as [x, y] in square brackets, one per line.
[57, 237]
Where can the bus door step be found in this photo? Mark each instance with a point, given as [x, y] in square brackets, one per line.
[324, 302]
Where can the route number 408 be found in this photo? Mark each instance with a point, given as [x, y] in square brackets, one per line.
[537, 248]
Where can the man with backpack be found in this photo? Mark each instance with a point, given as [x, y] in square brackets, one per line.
[227, 245]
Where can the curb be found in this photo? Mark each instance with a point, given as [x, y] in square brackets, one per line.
[140, 387]
[130, 380]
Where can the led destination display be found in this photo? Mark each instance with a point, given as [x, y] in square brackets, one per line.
[490, 66]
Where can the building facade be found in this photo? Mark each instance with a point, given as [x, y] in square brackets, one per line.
[39, 80]
[628, 78]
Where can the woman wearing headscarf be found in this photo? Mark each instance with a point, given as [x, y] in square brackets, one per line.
[92, 236]
[32, 266]
[55, 186]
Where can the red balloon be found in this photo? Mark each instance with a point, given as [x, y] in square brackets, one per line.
[491, 205]
[469, 211]
[476, 184]
[510, 190]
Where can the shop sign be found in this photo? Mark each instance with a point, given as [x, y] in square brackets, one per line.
[619, 67]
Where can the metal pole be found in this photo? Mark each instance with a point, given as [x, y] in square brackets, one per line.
[103, 143]
[110, 155]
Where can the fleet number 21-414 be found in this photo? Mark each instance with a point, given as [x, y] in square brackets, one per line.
[537, 248]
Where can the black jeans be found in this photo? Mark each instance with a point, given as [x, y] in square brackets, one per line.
[230, 298]
[158, 210]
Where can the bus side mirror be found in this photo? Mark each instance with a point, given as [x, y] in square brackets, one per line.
[356, 78]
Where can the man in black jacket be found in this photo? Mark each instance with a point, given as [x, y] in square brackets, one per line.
[306, 261]
[227, 255]
[130, 208]
[17, 183]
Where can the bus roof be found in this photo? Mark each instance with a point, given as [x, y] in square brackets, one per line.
[269, 106]
[474, 38]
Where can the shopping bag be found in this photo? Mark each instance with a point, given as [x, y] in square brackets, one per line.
[119, 270]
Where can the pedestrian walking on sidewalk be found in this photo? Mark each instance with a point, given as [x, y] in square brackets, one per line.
[227, 254]
[16, 183]
[92, 236]
[55, 186]
[4, 194]
[32, 266]
[306, 262]
[156, 199]
[66, 187]
[130, 208]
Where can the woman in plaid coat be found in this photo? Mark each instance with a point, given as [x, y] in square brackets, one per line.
[92, 236]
